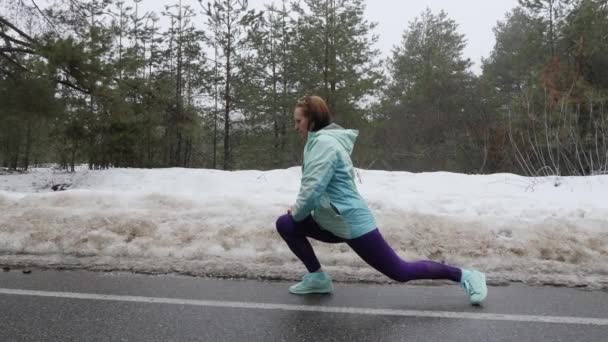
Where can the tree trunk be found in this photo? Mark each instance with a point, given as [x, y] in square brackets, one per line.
[73, 159]
[332, 55]
[326, 54]
[28, 145]
[227, 117]
[14, 162]
[275, 107]
[178, 91]
[216, 111]
[227, 161]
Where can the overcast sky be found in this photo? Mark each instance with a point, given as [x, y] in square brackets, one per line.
[475, 18]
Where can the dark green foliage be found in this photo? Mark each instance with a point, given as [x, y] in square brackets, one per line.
[101, 82]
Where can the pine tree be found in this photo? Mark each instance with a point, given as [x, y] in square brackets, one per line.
[336, 58]
[228, 21]
[425, 101]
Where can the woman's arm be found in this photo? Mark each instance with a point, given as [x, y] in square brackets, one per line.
[319, 168]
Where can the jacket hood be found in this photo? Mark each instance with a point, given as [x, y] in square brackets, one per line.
[345, 137]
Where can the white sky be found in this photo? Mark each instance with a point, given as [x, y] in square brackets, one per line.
[222, 223]
[475, 18]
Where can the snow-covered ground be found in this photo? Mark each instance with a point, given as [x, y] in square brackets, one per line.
[209, 222]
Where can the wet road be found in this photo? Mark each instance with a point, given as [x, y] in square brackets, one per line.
[91, 306]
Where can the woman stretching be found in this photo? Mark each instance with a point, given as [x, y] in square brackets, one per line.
[329, 209]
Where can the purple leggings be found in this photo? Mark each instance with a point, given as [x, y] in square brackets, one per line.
[371, 247]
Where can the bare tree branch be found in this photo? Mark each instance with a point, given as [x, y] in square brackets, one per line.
[14, 40]
[45, 16]
[10, 49]
[59, 80]
[71, 85]
[16, 29]
[12, 61]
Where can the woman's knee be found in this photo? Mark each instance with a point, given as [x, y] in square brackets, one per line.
[285, 225]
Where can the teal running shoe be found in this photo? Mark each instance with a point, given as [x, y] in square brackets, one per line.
[474, 284]
[315, 282]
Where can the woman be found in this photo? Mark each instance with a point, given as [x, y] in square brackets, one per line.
[329, 208]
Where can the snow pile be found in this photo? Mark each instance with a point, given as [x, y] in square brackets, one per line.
[209, 222]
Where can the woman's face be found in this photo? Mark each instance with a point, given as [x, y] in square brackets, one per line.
[301, 122]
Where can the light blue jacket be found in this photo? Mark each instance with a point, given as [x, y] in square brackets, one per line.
[328, 190]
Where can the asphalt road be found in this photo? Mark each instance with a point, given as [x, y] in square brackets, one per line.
[89, 306]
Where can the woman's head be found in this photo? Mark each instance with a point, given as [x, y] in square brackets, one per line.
[310, 115]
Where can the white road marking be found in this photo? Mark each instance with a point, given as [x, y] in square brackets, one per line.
[314, 308]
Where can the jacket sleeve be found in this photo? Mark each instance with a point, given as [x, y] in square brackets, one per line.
[319, 168]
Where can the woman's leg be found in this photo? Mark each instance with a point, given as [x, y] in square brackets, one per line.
[374, 250]
[296, 233]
